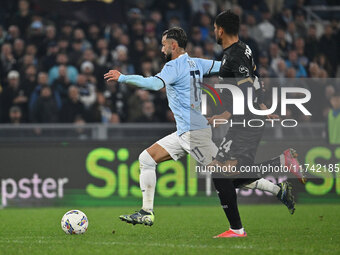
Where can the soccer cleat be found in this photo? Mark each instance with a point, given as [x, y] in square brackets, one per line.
[141, 217]
[230, 233]
[286, 197]
[289, 160]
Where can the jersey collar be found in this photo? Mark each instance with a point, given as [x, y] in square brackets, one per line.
[231, 45]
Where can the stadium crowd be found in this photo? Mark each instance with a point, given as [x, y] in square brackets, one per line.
[51, 70]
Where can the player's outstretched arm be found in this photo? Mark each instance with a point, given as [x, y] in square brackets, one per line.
[209, 66]
[150, 83]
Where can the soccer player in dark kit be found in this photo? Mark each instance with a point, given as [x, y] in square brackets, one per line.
[239, 146]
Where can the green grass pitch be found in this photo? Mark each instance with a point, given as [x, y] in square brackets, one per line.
[313, 229]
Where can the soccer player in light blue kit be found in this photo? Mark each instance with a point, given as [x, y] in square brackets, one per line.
[181, 76]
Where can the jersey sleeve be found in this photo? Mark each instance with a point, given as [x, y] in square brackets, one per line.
[209, 66]
[150, 83]
[168, 74]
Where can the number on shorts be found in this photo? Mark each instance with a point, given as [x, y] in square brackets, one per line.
[226, 146]
[198, 153]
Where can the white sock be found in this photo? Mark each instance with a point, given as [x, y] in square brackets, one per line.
[238, 231]
[147, 179]
[264, 185]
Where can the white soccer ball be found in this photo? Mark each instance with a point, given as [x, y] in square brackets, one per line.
[74, 222]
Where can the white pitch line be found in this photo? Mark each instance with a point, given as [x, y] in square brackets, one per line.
[165, 245]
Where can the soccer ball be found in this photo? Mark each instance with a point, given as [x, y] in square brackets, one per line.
[74, 222]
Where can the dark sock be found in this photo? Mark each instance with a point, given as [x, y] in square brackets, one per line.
[228, 199]
[273, 162]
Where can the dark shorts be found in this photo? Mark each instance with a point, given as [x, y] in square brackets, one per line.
[240, 144]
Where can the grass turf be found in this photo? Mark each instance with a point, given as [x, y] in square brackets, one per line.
[313, 229]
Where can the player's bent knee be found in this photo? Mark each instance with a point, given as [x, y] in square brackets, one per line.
[146, 161]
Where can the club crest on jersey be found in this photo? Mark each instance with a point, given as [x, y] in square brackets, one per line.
[243, 69]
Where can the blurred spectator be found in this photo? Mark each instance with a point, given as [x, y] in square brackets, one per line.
[23, 17]
[18, 49]
[274, 55]
[72, 110]
[120, 58]
[253, 30]
[264, 63]
[279, 68]
[323, 63]
[117, 96]
[100, 111]
[284, 18]
[30, 80]
[36, 33]
[13, 34]
[312, 43]
[53, 73]
[317, 87]
[87, 92]
[135, 103]
[291, 33]
[7, 59]
[45, 109]
[333, 124]
[161, 103]
[66, 31]
[148, 113]
[50, 37]
[49, 60]
[293, 62]
[266, 28]
[63, 45]
[196, 36]
[62, 83]
[300, 24]
[76, 52]
[103, 52]
[93, 34]
[79, 35]
[15, 115]
[12, 95]
[3, 35]
[205, 25]
[280, 40]
[42, 82]
[197, 52]
[300, 50]
[87, 69]
[329, 46]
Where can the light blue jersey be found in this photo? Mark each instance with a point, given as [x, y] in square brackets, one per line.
[182, 78]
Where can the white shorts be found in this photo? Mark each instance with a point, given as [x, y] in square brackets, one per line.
[198, 143]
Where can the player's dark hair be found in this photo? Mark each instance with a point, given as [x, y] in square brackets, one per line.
[177, 34]
[229, 21]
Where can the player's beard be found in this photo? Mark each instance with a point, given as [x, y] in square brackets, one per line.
[219, 40]
[168, 57]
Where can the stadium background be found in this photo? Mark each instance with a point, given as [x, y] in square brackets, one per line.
[78, 139]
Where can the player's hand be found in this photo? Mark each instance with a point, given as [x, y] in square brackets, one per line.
[269, 116]
[211, 119]
[222, 119]
[112, 75]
